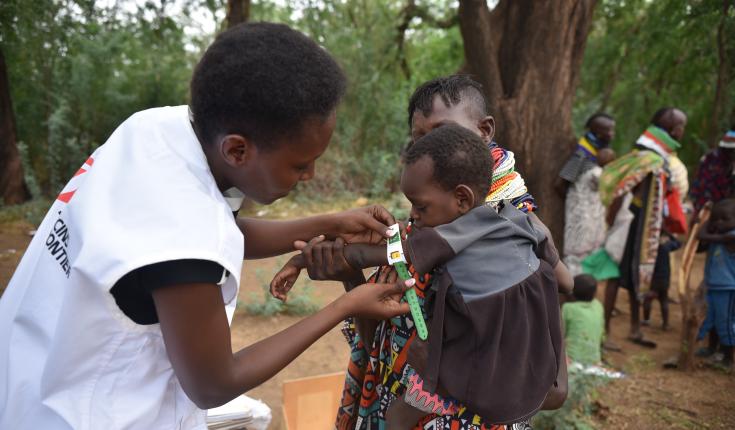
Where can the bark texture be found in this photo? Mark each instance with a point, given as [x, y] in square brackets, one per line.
[238, 12]
[527, 54]
[12, 182]
[724, 76]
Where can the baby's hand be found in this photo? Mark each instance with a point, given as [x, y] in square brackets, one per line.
[284, 280]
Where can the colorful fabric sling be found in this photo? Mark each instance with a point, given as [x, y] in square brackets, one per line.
[379, 373]
[624, 174]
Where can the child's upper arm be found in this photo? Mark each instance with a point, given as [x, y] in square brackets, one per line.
[546, 249]
[564, 278]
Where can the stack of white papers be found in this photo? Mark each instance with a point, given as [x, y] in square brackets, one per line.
[242, 413]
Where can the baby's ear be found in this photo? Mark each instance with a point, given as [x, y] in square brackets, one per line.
[465, 198]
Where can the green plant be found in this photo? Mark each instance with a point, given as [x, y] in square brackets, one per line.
[301, 300]
[31, 212]
[640, 363]
[578, 408]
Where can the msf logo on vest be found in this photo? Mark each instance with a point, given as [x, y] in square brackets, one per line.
[57, 241]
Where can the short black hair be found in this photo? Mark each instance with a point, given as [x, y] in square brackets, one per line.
[452, 89]
[263, 80]
[585, 288]
[596, 115]
[460, 157]
[659, 115]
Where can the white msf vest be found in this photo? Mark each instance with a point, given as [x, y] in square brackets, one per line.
[69, 358]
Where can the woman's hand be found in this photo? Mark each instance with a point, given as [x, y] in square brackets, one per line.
[378, 301]
[325, 260]
[365, 225]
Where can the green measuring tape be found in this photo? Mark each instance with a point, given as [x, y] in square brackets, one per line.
[395, 255]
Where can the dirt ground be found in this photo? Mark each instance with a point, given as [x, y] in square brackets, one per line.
[650, 397]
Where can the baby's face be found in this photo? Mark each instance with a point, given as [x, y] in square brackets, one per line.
[431, 205]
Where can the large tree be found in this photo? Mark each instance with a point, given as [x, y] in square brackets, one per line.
[12, 183]
[238, 12]
[527, 54]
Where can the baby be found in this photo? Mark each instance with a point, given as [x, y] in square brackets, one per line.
[495, 342]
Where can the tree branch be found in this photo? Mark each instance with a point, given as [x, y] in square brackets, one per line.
[723, 75]
[408, 13]
[480, 50]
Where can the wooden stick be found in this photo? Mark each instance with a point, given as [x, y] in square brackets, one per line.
[690, 317]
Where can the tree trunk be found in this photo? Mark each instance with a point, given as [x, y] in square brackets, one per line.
[723, 77]
[527, 54]
[12, 183]
[238, 12]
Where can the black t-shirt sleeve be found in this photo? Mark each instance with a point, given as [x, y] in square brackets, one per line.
[132, 292]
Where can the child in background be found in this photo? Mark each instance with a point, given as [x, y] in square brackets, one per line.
[584, 322]
[488, 305]
[719, 277]
[661, 280]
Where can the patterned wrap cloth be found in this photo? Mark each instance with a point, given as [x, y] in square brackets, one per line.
[380, 373]
[627, 172]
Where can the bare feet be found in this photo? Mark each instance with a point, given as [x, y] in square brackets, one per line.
[638, 338]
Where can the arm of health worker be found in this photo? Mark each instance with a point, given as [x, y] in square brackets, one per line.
[267, 238]
[197, 337]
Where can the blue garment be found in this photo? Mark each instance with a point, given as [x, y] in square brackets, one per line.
[719, 271]
[720, 316]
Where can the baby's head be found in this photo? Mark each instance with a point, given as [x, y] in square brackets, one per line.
[722, 219]
[604, 156]
[585, 288]
[446, 173]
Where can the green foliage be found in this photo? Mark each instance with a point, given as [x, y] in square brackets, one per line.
[31, 212]
[642, 55]
[300, 301]
[640, 363]
[372, 130]
[78, 68]
[578, 408]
